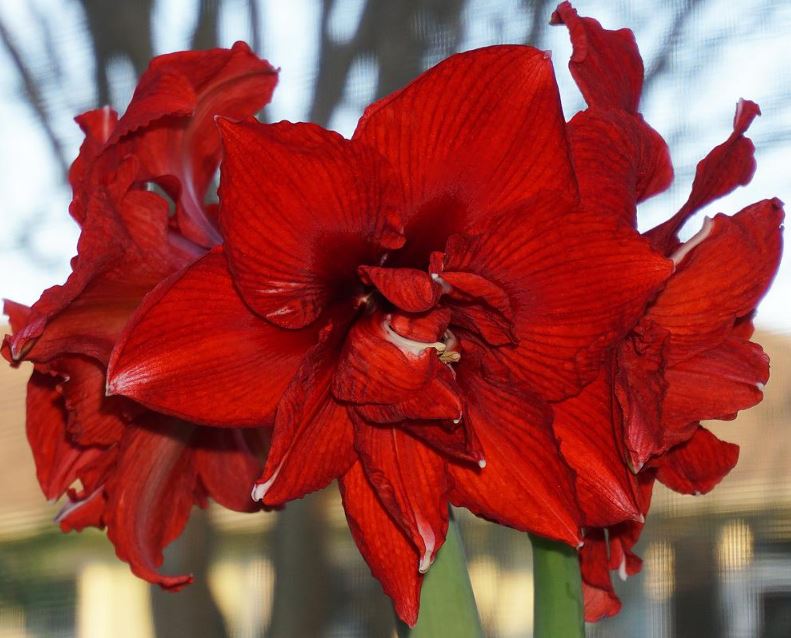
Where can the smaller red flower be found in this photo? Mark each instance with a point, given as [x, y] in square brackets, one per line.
[689, 358]
[132, 470]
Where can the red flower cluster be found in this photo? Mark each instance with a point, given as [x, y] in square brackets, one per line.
[454, 306]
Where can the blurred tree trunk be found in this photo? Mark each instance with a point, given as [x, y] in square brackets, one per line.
[120, 29]
[192, 611]
[301, 605]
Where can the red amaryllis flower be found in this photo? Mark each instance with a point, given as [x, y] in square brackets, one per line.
[689, 357]
[124, 467]
[405, 304]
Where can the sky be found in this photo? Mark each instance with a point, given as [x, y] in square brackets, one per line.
[693, 107]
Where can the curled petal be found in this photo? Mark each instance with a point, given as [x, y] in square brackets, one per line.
[409, 289]
[377, 365]
[720, 276]
[150, 496]
[696, 466]
[600, 598]
[183, 356]
[605, 64]
[727, 166]
[169, 124]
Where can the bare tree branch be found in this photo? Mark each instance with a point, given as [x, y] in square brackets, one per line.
[34, 97]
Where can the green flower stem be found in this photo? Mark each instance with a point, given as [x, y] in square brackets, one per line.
[557, 586]
[447, 604]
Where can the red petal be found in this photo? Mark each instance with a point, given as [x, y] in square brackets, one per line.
[600, 599]
[577, 283]
[727, 166]
[97, 125]
[150, 497]
[525, 484]
[59, 462]
[94, 419]
[720, 276]
[485, 308]
[715, 384]
[411, 482]
[391, 557]
[312, 442]
[193, 340]
[287, 259]
[696, 466]
[619, 161]
[585, 427]
[377, 365]
[475, 134]
[640, 387]
[605, 64]
[428, 326]
[122, 254]
[169, 124]
[86, 512]
[409, 289]
[227, 463]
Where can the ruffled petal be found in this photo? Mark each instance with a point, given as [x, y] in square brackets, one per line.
[727, 166]
[150, 497]
[696, 466]
[301, 209]
[721, 274]
[59, 461]
[577, 283]
[475, 134]
[117, 264]
[586, 429]
[605, 64]
[93, 418]
[193, 343]
[390, 555]
[640, 387]
[411, 482]
[523, 481]
[312, 443]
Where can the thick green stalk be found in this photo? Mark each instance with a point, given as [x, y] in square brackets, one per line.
[447, 604]
[557, 586]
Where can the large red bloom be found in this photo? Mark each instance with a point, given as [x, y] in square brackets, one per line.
[134, 471]
[689, 357]
[405, 304]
